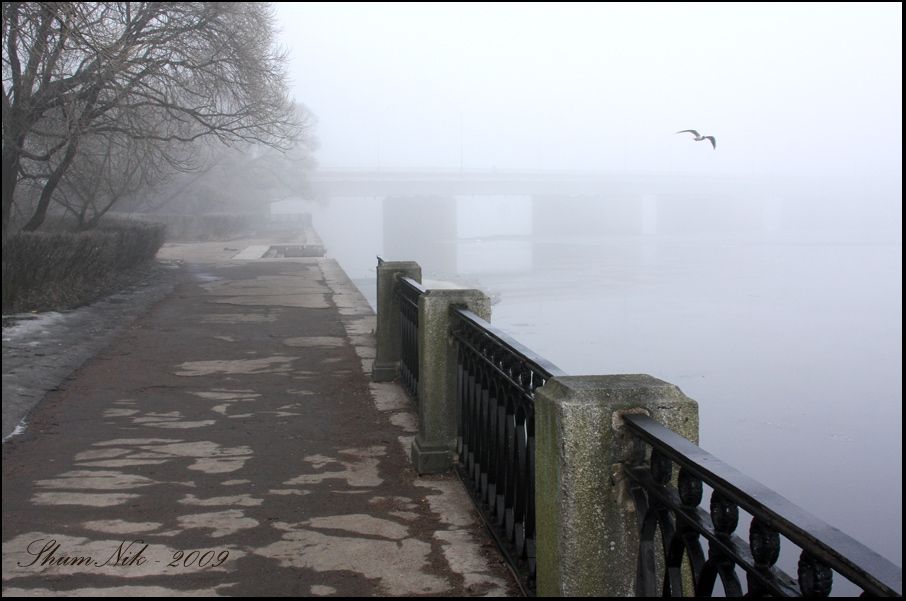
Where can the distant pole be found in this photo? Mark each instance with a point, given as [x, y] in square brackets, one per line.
[625, 151]
[538, 138]
[460, 141]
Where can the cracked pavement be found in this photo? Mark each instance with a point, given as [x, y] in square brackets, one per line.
[229, 441]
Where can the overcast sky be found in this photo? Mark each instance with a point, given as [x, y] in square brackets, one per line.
[803, 89]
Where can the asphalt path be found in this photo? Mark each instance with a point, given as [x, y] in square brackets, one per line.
[227, 440]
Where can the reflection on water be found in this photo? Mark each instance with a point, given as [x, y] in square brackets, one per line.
[792, 347]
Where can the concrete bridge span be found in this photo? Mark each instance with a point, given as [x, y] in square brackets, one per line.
[328, 184]
[425, 212]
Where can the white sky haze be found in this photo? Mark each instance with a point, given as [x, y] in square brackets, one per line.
[808, 89]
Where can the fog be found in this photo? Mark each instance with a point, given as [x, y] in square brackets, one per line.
[775, 299]
[800, 89]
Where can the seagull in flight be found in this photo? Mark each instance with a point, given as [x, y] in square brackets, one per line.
[699, 137]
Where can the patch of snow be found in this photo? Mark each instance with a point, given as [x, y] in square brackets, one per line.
[30, 324]
[19, 430]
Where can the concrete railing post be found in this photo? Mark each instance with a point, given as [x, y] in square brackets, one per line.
[387, 330]
[433, 447]
[587, 536]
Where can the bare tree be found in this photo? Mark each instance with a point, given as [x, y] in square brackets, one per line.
[240, 180]
[77, 75]
[107, 171]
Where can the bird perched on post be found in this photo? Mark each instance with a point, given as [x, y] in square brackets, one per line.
[699, 137]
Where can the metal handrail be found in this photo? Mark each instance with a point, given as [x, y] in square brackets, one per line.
[824, 547]
[534, 360]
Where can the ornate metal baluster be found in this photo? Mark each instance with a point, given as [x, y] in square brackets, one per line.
[815, 577]
[498, 458]
[685, 541]
[725, 517]
[764, 542]
[530, 548]
[522, 487]
[463, 390]
[509, 486]
[408, 291]
[501, 459]
[493, 456]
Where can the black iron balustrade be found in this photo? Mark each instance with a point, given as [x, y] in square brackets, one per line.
[496, 382]
[408, 292]
[683, 523]
[497, 378]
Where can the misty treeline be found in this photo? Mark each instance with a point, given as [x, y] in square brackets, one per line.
[177, 106]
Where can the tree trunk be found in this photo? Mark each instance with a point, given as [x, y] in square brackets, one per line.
[10, 178]
[51, 185]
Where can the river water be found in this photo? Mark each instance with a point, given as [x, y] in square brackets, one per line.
[790, 343]
[792, 347]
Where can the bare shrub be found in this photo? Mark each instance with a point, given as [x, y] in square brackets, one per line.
[61, 270]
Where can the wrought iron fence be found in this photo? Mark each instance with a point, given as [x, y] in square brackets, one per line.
[408, 292]
[497, 378]
[496, 382]
[682, 523]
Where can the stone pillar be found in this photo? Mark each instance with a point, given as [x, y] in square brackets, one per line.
[587, 535]
[387, 330]
[435, 443]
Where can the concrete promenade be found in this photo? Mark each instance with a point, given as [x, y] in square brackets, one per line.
[230, 442]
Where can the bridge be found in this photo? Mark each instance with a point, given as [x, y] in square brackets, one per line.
[424, 211]
[330, 184]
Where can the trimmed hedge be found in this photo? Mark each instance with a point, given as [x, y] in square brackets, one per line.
[44, 271]
[184, 228]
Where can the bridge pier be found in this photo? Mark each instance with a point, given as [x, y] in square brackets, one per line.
[424, 227]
